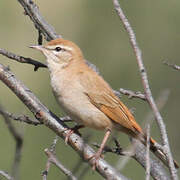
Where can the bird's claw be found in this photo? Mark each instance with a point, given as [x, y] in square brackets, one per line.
[96, 158]
[71, 131]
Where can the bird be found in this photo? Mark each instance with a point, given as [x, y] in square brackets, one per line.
[87, 98]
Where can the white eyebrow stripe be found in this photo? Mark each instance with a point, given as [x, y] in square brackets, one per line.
[66, 47]
[61, 46]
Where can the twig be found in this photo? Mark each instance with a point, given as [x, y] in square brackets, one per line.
[20, 118]
[19, 143]
[40, 23]
[22, 59]
[92, 66]
[117, 93]
[53, 145]
[40, 38]
[45, 173]
[50, 120]
[6, 175]
[156, 169]
[132, 94]
[48, 163]
[116, 150]
[174, 66]
[147, 90]
[138, 152]
[161, 102]
[53, 159]
[66, 119]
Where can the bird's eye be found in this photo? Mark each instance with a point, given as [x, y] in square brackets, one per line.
[58, 49]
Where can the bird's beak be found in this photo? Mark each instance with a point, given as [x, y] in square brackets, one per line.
[38, 47]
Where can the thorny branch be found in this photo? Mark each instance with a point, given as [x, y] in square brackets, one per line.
[147, 90]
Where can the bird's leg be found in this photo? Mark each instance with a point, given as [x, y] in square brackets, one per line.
[97, 155]
[73, 130]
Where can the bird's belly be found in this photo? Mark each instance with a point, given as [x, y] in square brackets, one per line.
[83, 112]
[77, 105]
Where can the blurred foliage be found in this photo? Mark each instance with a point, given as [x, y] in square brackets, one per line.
[95, 27]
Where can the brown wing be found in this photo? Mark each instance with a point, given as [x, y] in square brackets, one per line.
[102, 96]
[118, 112]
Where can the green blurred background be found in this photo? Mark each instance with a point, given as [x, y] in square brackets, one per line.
[95, 27]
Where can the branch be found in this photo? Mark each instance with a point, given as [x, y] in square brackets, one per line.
[19, 143]
[156, 169]
[147, 90]
[53, 159]
[51, 121]
[6, 175]
[132, 94]
[20, 118]
[138, 153]
[66, 119]
[22, 59]
[40, 23]
[161, 102]
[40, 38]
[48, 163]
[174, 66]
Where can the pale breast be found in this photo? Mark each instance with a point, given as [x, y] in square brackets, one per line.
[72, 99]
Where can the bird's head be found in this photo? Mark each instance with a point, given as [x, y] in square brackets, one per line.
[60, 52]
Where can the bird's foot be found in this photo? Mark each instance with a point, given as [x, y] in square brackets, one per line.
[75, 129]
[96, 158]
[98, 154]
